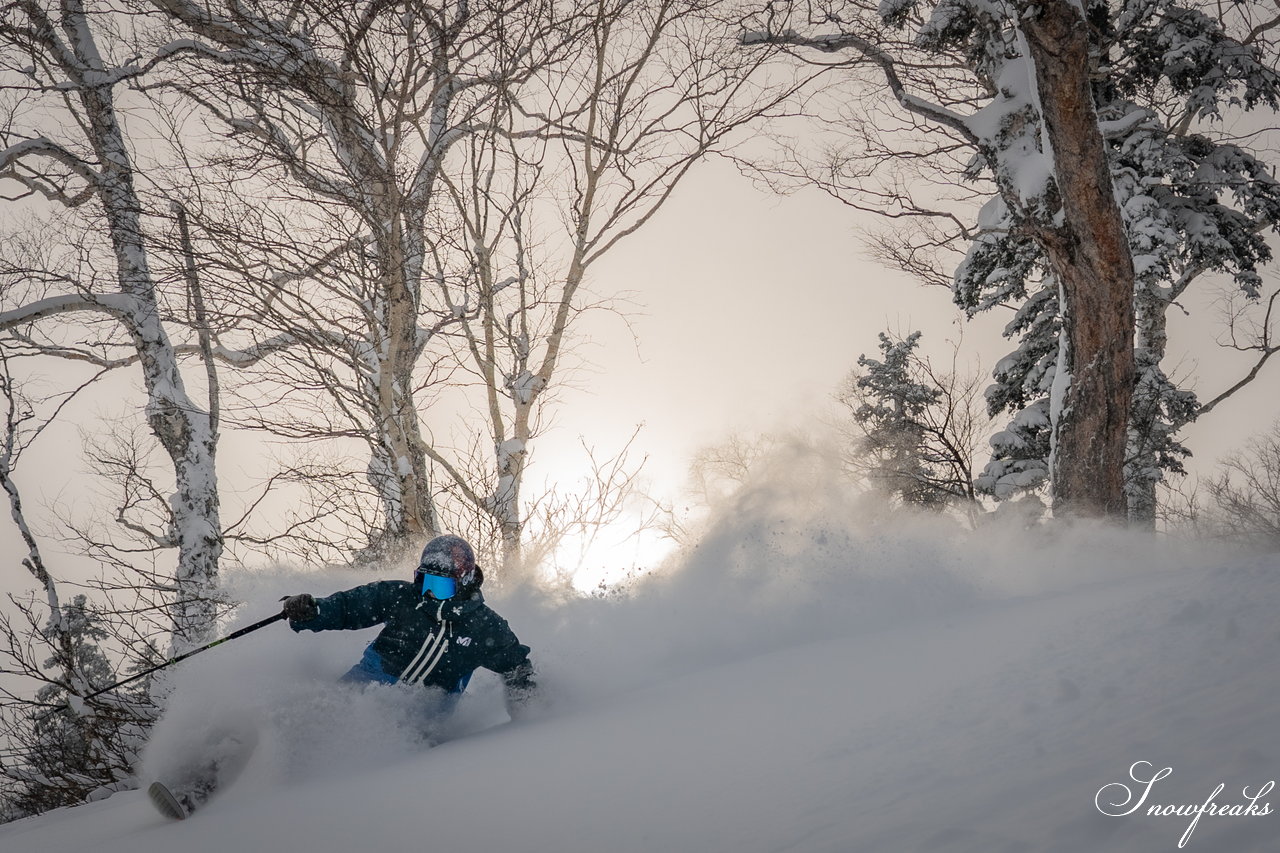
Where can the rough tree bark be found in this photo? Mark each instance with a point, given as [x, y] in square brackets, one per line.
[1091, 257]
[1035, 77]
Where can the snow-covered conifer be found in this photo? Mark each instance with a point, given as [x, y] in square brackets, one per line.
[62, 751]
[915, 429]
[1110, 161]
[1192, 204]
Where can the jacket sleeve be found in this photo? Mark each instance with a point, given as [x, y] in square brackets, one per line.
[507, 656]
[360, 607]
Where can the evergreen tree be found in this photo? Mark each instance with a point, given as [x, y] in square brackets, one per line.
[79, 750]
[916, 428]
[1191, 203]
[1090, 128]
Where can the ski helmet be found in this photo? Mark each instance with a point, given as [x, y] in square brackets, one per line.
[447, 563]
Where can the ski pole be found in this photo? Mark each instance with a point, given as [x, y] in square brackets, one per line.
[171, 661]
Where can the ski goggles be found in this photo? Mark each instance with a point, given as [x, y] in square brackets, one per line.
[438, 587]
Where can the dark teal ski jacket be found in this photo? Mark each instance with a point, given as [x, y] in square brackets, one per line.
[428, 642]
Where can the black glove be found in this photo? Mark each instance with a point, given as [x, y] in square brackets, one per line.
[300, 608]
[521, 690]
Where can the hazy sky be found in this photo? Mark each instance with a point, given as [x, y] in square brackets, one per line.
[748, 308]
[755, 306]
[751, 308]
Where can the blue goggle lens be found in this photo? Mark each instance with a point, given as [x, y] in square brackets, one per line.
[436, 586]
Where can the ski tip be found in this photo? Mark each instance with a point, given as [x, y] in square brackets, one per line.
[165, 802]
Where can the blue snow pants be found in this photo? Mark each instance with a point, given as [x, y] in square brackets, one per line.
[368, 670]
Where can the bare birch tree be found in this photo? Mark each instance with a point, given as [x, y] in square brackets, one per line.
[349, 275]
[63, 141]
[655, 87]
[340, 122]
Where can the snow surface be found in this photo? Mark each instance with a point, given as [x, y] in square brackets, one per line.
[798, 682]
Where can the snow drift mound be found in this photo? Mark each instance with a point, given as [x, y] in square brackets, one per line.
[793, 558]
[810, 677]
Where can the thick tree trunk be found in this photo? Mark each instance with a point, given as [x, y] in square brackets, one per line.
[1090, 255]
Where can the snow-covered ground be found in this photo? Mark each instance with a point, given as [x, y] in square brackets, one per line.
[796, 683]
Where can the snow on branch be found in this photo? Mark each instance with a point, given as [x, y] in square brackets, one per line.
[250, 355]
[15, 165]
[245, 357]
[115, 304]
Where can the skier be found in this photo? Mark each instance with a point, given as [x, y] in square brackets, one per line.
[436, 632]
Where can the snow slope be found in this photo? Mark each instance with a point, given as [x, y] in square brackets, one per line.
[795, 684]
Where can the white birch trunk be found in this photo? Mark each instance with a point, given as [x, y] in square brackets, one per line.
[182, 428]
[390, 203]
